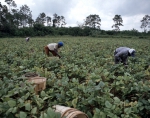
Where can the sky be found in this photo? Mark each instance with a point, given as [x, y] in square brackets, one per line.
[76, 11]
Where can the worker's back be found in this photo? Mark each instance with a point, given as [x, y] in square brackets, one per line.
[122, 49]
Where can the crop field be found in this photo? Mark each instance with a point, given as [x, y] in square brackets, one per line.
[85, 78]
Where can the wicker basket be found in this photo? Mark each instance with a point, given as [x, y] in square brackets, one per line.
[68, 112]
[31, 75]
[40, 83]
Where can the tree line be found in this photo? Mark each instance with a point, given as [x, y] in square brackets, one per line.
[19, 22]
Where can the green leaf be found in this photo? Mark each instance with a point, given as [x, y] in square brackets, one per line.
[28, 106]
[45, 98]
[5, 99]
[27, 95]
[43, 93]
[127, 110]
[43, 115]
[101, 84]
[97, 113]
[23, 114]
[12, 103]
[50, 113]
[106, 73]
[10, 116]
[117, 83]
[97, 110]
[14, 110]
[39, 104]
[89, 114]
[108, 104]
[21, 103]
[68, 103]
[34, 110]
[102, 115]
[9, 110]
[117, 100]
[111, 115]
[74, 102]
[21, 67]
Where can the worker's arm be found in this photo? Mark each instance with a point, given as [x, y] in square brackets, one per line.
[124, 61]
[117, 56]
[56, 51]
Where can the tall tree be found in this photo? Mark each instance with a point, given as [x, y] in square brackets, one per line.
[4, 20]
[58, 21]
[1, 7]
[145, 22]
[48, 19]
[118, 22]
[2, 14]
[41, 19]
[62, 21]
[26, 15]
[30, 22]
[11, 3]
[93, 21]
[16, 17]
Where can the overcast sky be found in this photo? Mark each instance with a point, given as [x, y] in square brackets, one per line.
[75, 11]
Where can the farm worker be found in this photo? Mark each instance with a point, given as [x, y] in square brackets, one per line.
[121, 54]
[27, 39]
[53, 48]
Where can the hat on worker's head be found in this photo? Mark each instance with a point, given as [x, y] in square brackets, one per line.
[60, 44]
[132, 52]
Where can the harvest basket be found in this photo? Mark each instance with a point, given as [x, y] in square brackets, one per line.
[31, 75]
[68, 112]
[40, 83]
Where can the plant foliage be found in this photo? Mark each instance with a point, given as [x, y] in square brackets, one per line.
[84, 78]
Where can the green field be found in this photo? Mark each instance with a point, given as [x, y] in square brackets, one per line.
[85, 78]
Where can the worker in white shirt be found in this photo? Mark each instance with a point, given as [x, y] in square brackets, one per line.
[27, 39]
[53, 48]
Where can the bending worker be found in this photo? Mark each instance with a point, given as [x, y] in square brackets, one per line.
[53, 48]
[121, 54]
[27, 39]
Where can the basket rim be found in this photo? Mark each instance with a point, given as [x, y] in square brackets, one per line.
[30, 74]
[38, 78]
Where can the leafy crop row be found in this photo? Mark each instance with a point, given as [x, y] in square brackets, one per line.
[84, 78]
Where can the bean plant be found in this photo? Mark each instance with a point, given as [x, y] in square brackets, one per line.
[85, 78]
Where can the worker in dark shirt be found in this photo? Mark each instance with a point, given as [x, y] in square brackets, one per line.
[121, 54]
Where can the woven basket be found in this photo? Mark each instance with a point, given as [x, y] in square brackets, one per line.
[31, 75]
[40, 83]
[68, 112]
